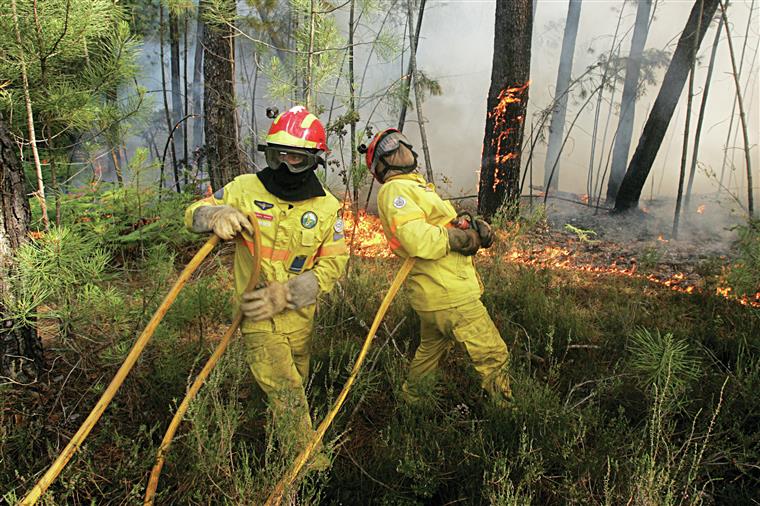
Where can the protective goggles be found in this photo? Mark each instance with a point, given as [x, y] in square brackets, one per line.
[296, 159]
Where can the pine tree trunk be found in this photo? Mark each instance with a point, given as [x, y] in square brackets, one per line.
[198, 84]
[664, 105]
[702, 108]
[628, 102]
[557, 125]
[409, 70]
[220, 125]
[507, 104]
[176, 91]
[418, 98]
[20, 348]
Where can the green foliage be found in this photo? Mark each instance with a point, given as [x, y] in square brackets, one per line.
[743, 275]
[80, 51]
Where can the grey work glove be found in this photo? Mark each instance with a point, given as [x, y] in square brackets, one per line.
[264, 303]
[484, 232]
[224, 221]
[303, 290]
[466, 242]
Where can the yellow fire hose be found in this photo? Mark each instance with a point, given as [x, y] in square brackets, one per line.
[150, 491]
[276, 496]
[55, 469]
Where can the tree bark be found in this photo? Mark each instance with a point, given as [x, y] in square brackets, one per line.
[409, 70]
[628, 102]
[557, 125]
[198, 84]
[20, 348]
[664, 105]
[702, 108]
[220, 126]
[507, 104]
[177, 114]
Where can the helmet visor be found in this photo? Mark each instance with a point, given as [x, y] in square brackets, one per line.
[296, 160]
[389, 144]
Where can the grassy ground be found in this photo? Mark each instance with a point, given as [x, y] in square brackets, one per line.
[626, 393]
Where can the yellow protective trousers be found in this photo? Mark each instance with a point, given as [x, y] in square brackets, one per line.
[279, 362]
[469, 325]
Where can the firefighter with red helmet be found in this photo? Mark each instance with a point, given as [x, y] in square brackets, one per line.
[444, 286]
[303, 255]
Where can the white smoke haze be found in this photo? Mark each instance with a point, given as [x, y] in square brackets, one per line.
[456, 49]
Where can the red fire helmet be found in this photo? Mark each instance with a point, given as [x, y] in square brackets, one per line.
[298, 128]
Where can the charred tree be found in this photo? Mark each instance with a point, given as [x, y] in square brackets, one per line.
[507, 103]
[664, 105]
[414, 43]
[198, 84]
[559, 111]
[20, 347]
[628, 102]
[220, 120]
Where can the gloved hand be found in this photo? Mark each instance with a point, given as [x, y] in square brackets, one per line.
[303, 290]
[484, 232]
[466, 242]
[224, 221]
[266, 302]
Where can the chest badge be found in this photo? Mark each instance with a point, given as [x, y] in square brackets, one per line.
[309, 219]
[263, 205]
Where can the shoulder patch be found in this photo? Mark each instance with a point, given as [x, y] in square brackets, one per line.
[338, 227]
[399, 202]
[263, 205]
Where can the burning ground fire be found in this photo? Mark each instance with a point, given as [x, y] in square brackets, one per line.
[366, 239]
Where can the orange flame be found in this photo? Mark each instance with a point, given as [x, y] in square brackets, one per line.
[364, 234]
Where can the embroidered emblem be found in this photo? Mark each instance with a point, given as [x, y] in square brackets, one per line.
[399, 202]
[263, 205]
[297, 264]
[337, 237]
[263, 216]
[338, 227]
[309, 220]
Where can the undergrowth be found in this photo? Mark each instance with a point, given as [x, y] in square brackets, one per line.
[626, 393]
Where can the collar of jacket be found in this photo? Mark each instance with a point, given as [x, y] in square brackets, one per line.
[413, 176]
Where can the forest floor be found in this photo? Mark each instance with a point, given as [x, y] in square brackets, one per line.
[635, 383]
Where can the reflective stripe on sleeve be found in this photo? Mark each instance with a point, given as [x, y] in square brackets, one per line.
[334, 249]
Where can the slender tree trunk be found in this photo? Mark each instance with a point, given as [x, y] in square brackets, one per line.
[30, 120]
[628, 102]
[664, 105]
[185, 102]
[352, 104]
[167, 112]
[733, 107]
[417, 93]
[177, 115]
[220, 126]
[407, 88]
[685, 149]
[702, 109]
[742, 115]
[21, 356]
[308, 78]
[597, 113]
[198, 84]
[499, 182]
[557, 125]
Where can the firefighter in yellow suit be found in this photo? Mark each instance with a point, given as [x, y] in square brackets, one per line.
[444, 286]
[303, 255]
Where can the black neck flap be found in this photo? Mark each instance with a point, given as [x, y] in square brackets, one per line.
[289, 186]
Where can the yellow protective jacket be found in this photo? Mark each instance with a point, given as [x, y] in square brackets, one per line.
[414, 219]
[295, 237]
